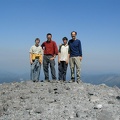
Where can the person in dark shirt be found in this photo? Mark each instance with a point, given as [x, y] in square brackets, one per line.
[75, 57]
[50, 51]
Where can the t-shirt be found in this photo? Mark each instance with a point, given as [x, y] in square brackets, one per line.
[36, 49]
[64, 51]
[50, 48]
[75, 48]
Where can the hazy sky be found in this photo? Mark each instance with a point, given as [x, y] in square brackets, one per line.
[96, 21]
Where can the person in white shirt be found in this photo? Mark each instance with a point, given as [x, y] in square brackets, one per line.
[63, 59]
[35, 60]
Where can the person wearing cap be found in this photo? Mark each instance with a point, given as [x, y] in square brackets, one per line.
[63, 59]
[75, 57]
[50, 52]
[35, 60]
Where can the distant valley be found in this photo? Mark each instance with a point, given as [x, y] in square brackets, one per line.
[108, 79]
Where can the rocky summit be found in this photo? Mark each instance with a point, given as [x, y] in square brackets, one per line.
[58, 101]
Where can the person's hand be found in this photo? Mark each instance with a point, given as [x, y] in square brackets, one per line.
[66, 61]
[52, 58]
[80, 58]
[58, 61]
[31, 62]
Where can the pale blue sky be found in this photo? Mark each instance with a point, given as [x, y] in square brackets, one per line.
[96, 21]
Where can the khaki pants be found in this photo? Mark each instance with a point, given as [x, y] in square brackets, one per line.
[75, 62]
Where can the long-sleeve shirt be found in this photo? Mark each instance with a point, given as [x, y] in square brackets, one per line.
[50, 48]
[75, 48]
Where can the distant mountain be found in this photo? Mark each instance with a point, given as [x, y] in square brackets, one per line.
[11, 77]
[108, 79]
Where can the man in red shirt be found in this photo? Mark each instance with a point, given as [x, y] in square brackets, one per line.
[50, 52]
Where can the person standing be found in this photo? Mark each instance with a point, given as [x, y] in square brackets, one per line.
[63, 59]
[35, 60]
[50, 52]
[75, 57]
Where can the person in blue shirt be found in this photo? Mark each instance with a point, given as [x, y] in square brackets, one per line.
[75, 57]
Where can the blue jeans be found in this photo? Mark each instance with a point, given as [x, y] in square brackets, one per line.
[35, 70]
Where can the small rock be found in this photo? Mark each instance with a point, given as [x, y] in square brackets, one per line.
[118, 97]
[99, 106]
[78, 114]
[50, 90]
[39, 110]
[111, 102]
[94, 99]
[24, 96]
[104, 115]
[28, 107]
[90, 93]
[67, 88]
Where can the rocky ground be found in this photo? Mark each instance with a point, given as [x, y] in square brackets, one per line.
[58, 101]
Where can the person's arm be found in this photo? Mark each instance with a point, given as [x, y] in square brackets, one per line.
[80, 50]
[55, 51]
[41, 56]
[43, 45]
[52, 58]
[41, 51]
[31, 62]
[30, 56]
[59, 53]
[59, 57]
[68, 56]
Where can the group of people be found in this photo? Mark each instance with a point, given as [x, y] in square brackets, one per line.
[70, 52]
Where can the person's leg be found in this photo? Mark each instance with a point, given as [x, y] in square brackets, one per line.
[77, 62]
[72, 67]
[64, 70]
[52, 67]
[45, 67]
[60, 71]
[33, 71]
[38, 67]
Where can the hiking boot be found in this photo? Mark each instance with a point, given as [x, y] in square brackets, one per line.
[79, 81]
[35, 80]
[46, 80]
[73, 79]
[42, 81]
[70, 81]
[58, 81]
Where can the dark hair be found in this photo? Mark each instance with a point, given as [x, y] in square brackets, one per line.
[65, 38]
[74, 31]
[37, 39]
[49, 34]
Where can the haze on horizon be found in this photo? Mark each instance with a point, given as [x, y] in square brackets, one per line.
[97, 24]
